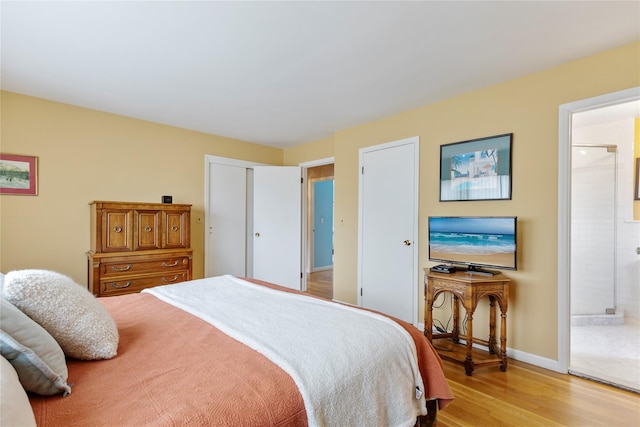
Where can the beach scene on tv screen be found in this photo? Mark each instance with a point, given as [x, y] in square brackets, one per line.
[487, 241]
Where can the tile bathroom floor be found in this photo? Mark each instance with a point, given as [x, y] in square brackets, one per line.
[609, 354]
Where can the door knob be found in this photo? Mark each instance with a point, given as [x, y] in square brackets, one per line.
[407, 242]
[257, 234]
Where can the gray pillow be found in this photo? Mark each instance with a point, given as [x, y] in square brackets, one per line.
[74, 317]
[34, 354]
[15, 409]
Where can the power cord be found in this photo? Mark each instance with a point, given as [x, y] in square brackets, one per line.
[447, 297]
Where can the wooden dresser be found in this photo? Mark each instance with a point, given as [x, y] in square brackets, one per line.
[138, 245]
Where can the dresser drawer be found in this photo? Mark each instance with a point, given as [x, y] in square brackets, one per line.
[119, 286]
[109, 269]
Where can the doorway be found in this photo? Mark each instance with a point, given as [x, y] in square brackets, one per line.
[319, 230]
[603, 329]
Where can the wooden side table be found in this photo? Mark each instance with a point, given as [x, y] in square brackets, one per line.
[469, 289]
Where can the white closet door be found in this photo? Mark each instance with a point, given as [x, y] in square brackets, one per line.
[227, 218]
[388, 229]
[277, 225]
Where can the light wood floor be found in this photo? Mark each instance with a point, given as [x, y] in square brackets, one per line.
[526, 395]
[320, 283]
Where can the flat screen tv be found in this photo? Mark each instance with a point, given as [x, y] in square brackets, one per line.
[476, 242]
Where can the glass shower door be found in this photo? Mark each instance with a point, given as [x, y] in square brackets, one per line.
[593, 230]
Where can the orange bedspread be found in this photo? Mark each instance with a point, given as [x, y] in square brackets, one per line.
[172, 369]
[175, 369]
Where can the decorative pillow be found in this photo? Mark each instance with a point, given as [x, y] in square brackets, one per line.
[34, 354]
[15, 409]
[75, 318]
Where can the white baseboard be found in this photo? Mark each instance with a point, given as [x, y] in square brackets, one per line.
[521, 356]
[316, 269]
[542, 362]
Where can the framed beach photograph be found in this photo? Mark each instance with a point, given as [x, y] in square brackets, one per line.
[18, 175]
[478, 169]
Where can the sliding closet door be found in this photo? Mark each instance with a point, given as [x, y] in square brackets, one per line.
[227, 218]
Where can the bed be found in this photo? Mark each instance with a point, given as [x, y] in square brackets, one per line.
[230, 351]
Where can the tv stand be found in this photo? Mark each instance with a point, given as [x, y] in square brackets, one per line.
[467, 291]
[473, 269]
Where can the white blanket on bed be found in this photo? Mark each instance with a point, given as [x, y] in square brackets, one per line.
[352, 367]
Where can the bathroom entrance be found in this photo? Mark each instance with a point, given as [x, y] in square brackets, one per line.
[604, 265]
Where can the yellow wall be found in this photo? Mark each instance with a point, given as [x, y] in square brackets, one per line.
[86, 155]
[528, 107]
[315, 150]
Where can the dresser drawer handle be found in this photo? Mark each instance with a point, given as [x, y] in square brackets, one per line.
[117, 229]
[114, 268]
[164, 263]
[147, 228]
[174, 228]
[164, 279]
[126, 285]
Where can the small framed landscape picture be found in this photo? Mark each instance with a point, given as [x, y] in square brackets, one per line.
[478, 169]
[18, 175]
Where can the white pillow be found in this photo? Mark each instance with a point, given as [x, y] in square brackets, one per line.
[34, 354]
[15, 409]
[75, 318]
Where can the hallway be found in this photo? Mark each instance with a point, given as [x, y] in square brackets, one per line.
[320, 283]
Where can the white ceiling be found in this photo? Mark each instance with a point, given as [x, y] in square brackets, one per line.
[284, 73]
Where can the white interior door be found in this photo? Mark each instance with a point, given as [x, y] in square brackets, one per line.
[226, 220]
[277, 225]
[388, 274]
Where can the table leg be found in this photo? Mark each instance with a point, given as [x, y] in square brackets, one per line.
[428, 315]
[468, 362]
[492, 325]
[455, 331]
[503, 338]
